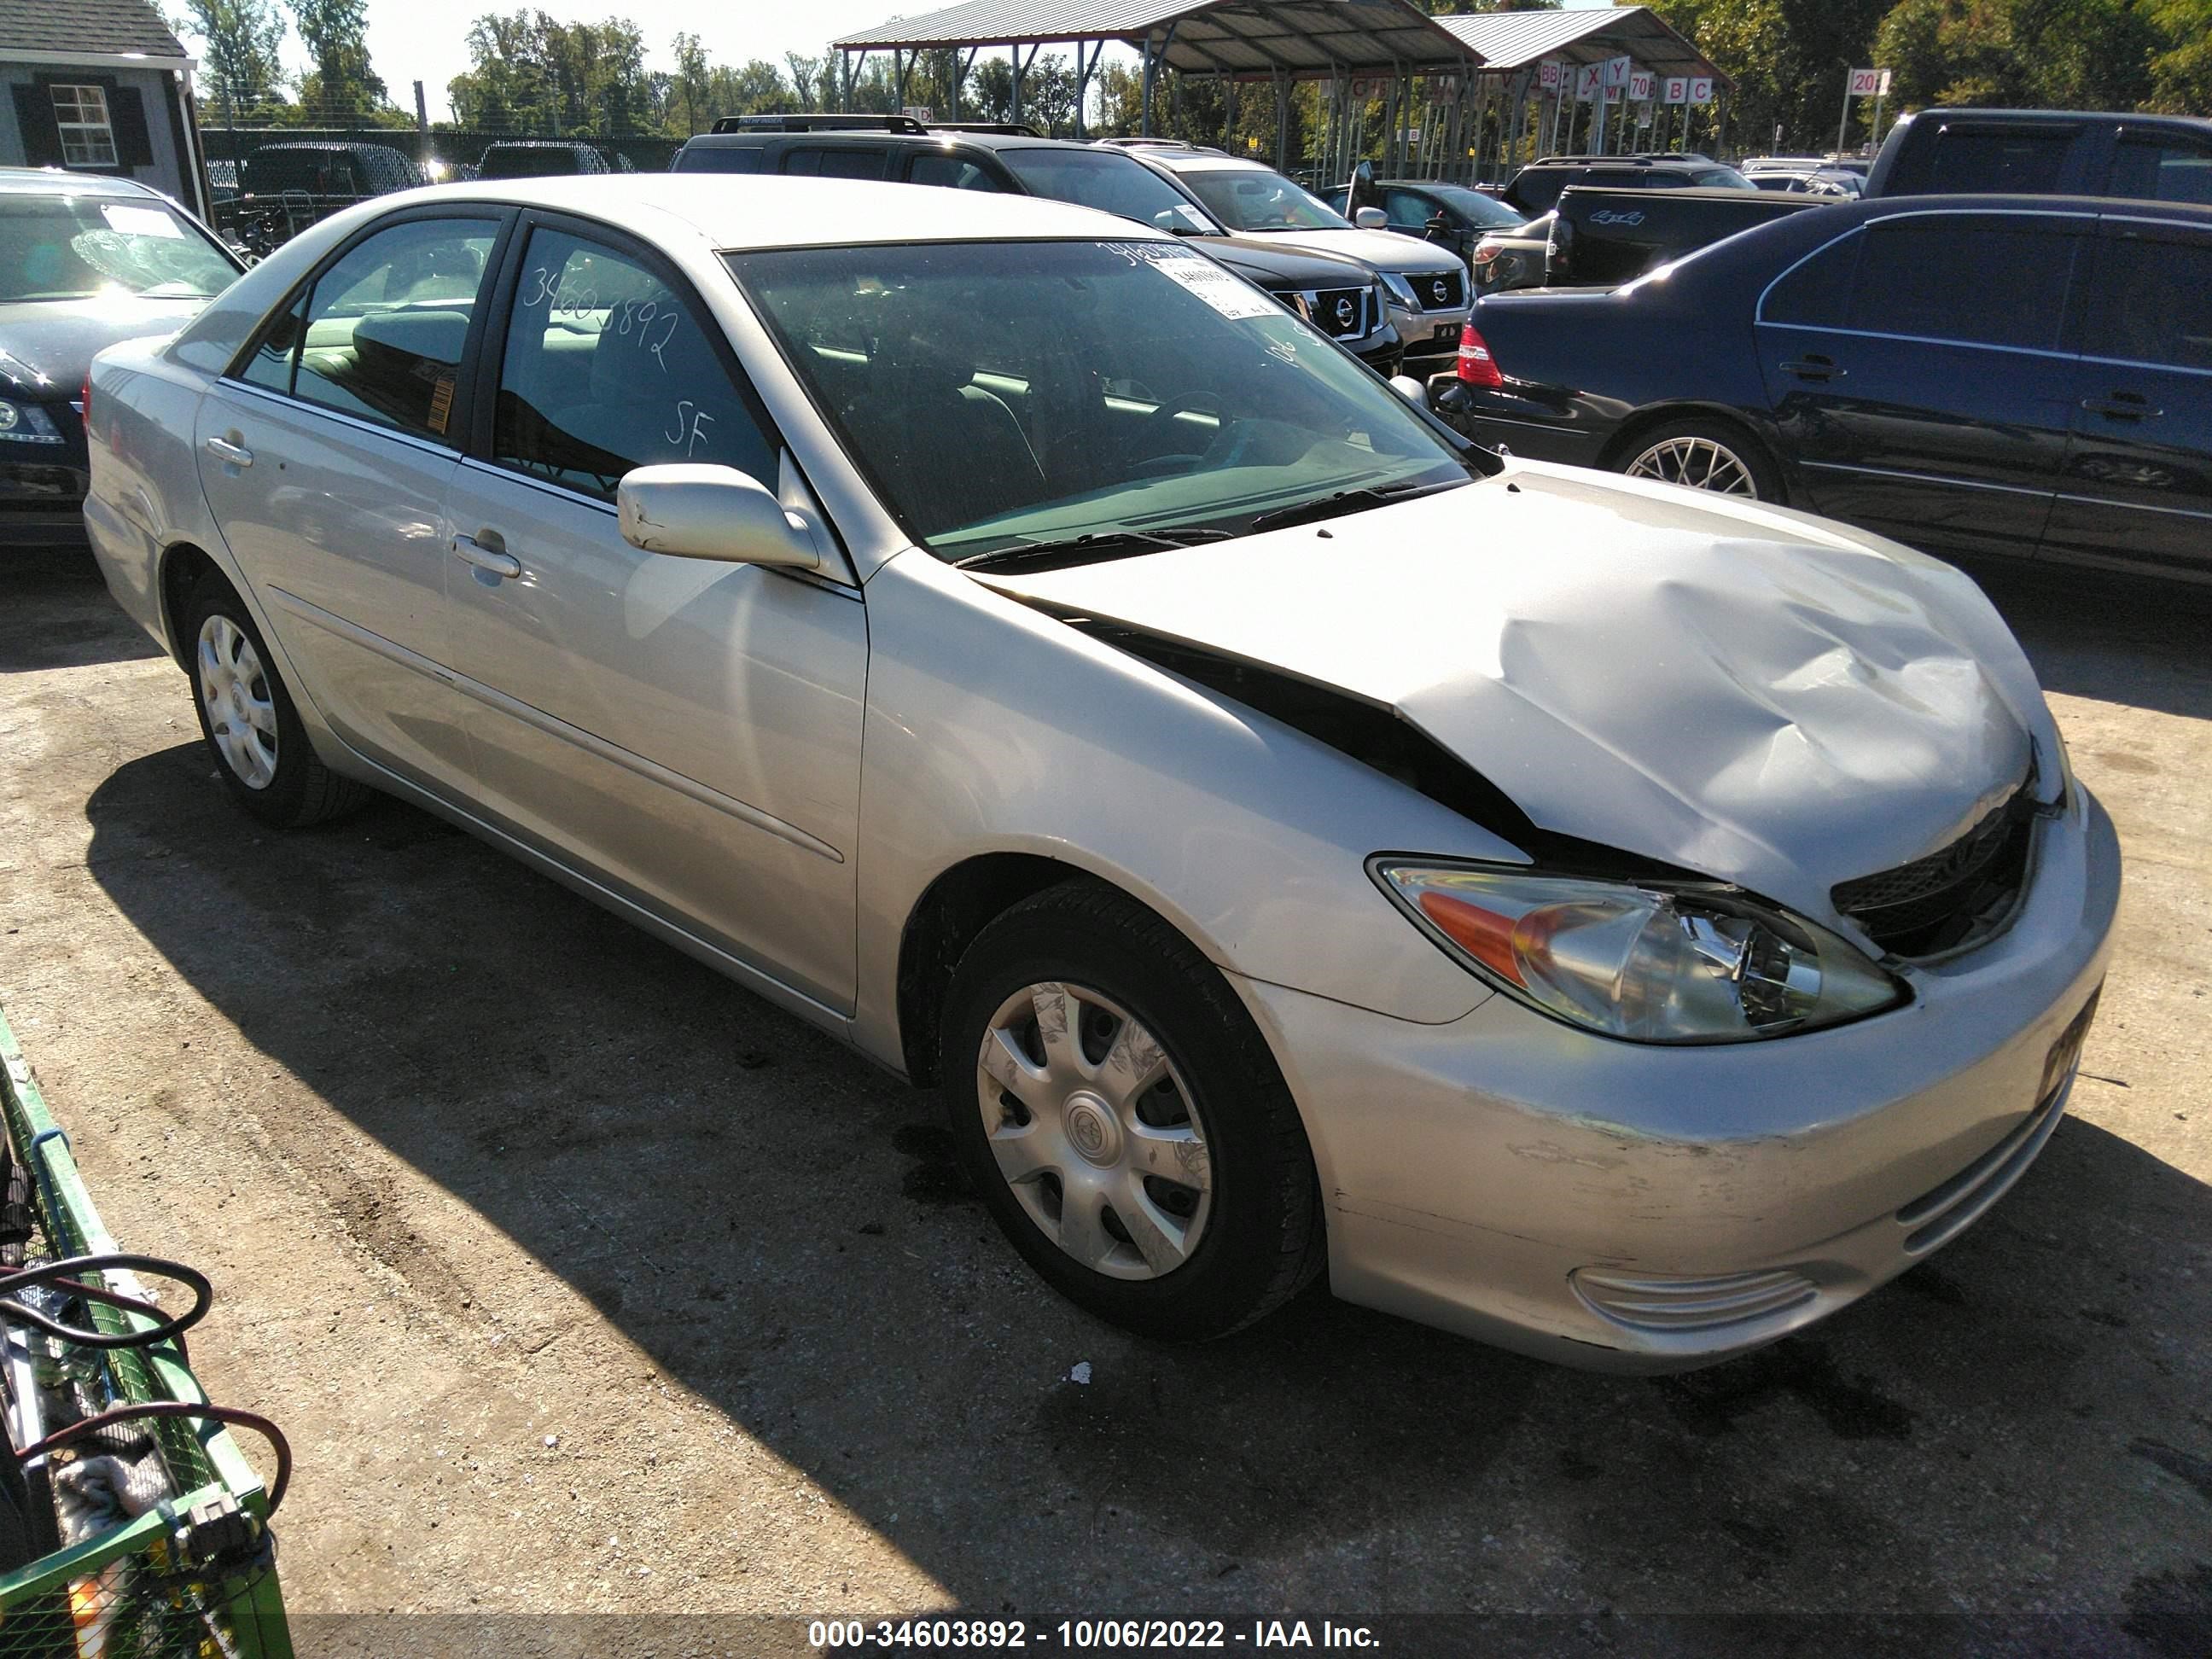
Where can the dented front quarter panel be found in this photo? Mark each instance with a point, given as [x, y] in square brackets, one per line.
[993, 728]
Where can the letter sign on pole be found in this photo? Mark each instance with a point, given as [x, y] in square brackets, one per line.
[1590, 81]
[1639, 86]
[1547, 74]
[1701, 88]
[1870, 82]
[1677, 90]
[1616, 74]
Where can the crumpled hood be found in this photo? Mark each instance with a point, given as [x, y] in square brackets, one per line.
[1752, 694]
[46, 345]
[1385, 250]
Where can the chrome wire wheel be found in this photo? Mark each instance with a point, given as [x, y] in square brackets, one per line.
[1095, 1131]
[1698, 463]
[241, 714]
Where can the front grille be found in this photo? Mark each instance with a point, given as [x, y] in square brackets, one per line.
[1338, 312]
[1443, 291]
[1955, 897]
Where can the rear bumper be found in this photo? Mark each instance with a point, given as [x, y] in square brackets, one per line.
[1622, 1207]
[1532, 421]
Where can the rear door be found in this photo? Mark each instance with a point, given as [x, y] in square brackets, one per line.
[687, 730]
[2138, 476]
[1914, 369]
[326, 456]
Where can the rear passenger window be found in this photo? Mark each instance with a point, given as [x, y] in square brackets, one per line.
[1986, 161]
[2152, 302]
[606, 367]
[843, 161]
[717, 158]
[2150, 170]
[1817, 292]
[386, 324]
[950, 170]
[1995, 281]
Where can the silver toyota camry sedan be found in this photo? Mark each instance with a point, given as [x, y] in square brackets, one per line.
[1603, 918]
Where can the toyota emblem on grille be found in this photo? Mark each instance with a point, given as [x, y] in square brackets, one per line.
[1344, 312]
[1439, 289]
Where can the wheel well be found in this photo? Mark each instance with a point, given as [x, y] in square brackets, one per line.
[182, 566]
[1632, 431]
[959, 904]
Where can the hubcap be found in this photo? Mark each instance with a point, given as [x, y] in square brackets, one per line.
[235, 691]
[1699, 463]
[1094, 1131]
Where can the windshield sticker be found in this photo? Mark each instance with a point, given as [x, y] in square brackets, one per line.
[140, 221]
[1229, 295]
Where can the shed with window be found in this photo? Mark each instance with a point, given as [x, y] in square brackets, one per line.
[99, 85]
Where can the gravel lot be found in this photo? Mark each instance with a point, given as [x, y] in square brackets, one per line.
[584, 1282]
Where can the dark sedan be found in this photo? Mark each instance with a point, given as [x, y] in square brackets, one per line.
[85, 262]
[2023, 375]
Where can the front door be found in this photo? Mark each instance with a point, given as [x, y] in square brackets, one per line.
[1914, 369]
[686, 730]
[2138, 477]
[326, 459]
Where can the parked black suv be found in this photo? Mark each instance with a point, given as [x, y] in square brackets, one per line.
[2164, 158]
[1537, 186]
[285, 187]
[1339, 296]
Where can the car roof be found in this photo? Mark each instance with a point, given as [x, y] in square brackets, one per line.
[2063, 117]
[740, 210]
[943, 138]
[54, 181]
[2121, 206]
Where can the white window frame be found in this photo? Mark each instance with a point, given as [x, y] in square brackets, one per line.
[86, 124]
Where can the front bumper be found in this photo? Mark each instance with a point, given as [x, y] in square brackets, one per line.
[42, 485]
[1431, 337]
[1625, 1207]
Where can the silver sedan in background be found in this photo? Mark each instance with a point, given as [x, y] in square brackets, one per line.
[1007, 640]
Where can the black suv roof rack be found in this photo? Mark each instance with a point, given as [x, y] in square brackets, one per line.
[1647, 156]
[818, 124]
[1004, 129]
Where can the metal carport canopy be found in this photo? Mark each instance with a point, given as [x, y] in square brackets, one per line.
[1303, 39]
[1509, 40]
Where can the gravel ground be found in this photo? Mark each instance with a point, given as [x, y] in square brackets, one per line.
[584, 1282]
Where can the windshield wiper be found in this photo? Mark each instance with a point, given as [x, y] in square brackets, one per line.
[1082, 550]
[1344, 501]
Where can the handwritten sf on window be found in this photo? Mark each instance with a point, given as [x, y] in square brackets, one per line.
[690, 427]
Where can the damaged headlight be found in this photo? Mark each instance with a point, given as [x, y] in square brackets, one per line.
[1651, 964]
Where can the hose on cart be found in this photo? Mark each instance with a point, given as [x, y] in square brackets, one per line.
[63, 1275]
[229, 1415]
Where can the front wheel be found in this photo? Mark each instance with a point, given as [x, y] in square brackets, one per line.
[1704, 455]
[1123, 1119]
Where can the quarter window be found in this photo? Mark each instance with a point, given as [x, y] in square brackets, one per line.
[2150, 170]
[88, 137]
[2152, 303]
[951, 171]
[386, 323]
[1998, 281]
[1817, 292]
[1993, 160]
[606, 367]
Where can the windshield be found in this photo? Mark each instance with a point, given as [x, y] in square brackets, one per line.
[84, 247]
[1109, 182]
[1721, 178]
[1006, 393]
[1254, 198]
[1485, 211]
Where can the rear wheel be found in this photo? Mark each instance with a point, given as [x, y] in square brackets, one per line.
[1704, 455]
[249, 722]
[1123, 1119]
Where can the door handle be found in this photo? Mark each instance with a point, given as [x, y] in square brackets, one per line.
[224, 450]
[2121, 406]
[1814, 367]
[469, 550]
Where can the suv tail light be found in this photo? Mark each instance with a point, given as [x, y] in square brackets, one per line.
[1476, 367]
[84, 405]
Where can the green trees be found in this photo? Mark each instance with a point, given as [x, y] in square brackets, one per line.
[239, 56]
[341, 88]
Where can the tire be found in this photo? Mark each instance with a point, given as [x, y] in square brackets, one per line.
[1182, 1207]
[1704, 450]
[248, 720]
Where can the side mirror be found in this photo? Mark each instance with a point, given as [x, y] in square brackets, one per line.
[1371, 219]
[1412, 391]
[689, 511]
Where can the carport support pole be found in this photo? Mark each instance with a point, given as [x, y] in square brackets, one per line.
[1282, 121]
[1082, 86]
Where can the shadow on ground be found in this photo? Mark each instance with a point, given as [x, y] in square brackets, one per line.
[57, 613]
[2018, 1427]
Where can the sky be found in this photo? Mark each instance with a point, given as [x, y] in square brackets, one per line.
[425, 41]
